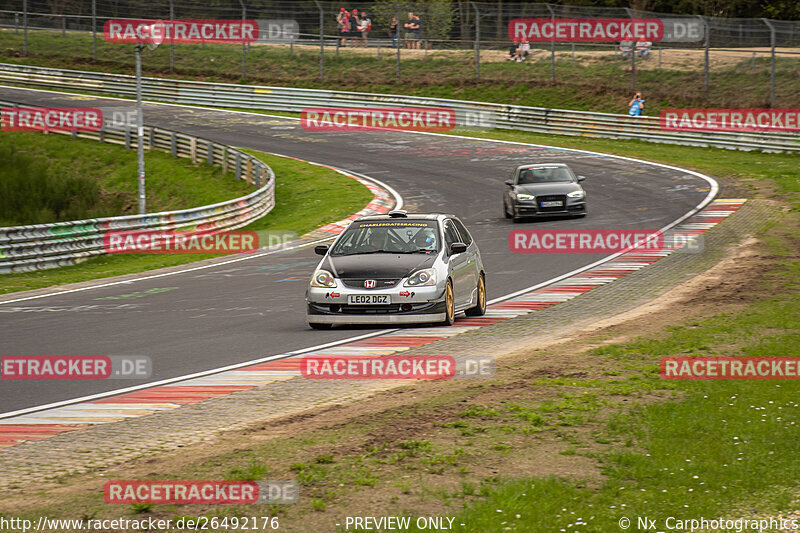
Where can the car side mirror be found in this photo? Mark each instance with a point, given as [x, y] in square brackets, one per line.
[321, 249]
[458, 248]
[581, 178]
[509, 183]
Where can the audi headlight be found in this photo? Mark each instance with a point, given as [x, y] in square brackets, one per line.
[422, 278]
[576, 194]
[523, 196]
[323, 278]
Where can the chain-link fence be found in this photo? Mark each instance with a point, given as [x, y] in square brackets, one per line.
[471, 38]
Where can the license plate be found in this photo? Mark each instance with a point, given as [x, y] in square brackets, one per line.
[555, 203]
[368, 299]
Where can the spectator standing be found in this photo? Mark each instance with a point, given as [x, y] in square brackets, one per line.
[355, 23]
[393, 32]
[343, 19]
[364, 27]
[636, 105]
[413, 28]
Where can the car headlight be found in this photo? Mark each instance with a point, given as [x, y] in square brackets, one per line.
[576, 194]
[523, 196]
[422, 278]
[323, 278]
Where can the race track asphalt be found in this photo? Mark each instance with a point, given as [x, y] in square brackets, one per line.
[223, 315]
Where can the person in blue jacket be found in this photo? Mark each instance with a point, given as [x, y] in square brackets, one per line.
[636, 105]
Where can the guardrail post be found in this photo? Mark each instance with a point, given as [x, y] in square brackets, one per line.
[193, 149]
[238, 166]
[477, 41]
[94, 30]
[263, 176]
[151, 138]
[25, 27]
[399, 42]
[210, 152]
[705, 57]
[224, 158]
[128, 138]
[322, 41]
[772, 62]
[552, 45]
[249, 171]
[103, 134]
[173, 144]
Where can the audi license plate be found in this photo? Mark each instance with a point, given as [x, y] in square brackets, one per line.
[369, 299]
[554, 203]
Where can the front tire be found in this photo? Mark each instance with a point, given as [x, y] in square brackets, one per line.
[505, 211]
[449, 305]
[480, 307]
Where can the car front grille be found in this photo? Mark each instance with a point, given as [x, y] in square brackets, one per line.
[551, 198]
[358, 283]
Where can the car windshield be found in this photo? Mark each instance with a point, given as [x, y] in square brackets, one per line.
[389, 236]
[544, 175]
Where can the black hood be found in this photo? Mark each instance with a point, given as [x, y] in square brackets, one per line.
[378, 266]
[538, 189]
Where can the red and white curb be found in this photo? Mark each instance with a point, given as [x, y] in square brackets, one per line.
[43, 424]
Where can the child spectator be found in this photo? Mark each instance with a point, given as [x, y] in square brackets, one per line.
[393, 32]
[523, 50]
[625, 49]
[512, 52]
[643, 49]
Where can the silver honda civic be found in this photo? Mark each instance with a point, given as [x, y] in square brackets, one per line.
[398, 268]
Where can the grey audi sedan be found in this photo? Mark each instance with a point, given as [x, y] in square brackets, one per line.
[544, 189]
[398, 268]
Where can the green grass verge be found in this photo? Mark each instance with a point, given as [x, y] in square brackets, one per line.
[306, 196]
[600, 85]
[56, 162]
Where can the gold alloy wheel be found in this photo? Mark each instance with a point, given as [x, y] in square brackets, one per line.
[450, 303]
[481, 294]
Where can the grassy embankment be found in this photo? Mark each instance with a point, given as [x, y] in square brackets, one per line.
[48, 178]
[601, 83]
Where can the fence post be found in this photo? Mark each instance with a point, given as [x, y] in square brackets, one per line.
[707, 43]
[25, 27]
[63, 26]
[399, 42]
[477, 41]
[94, 30]
[322, 41]
[552, 45]
[771, 62]
[171, 41]
[244, 44]
[16, 22]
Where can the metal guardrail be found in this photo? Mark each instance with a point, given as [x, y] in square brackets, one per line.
[43, 246]
[468, 113]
